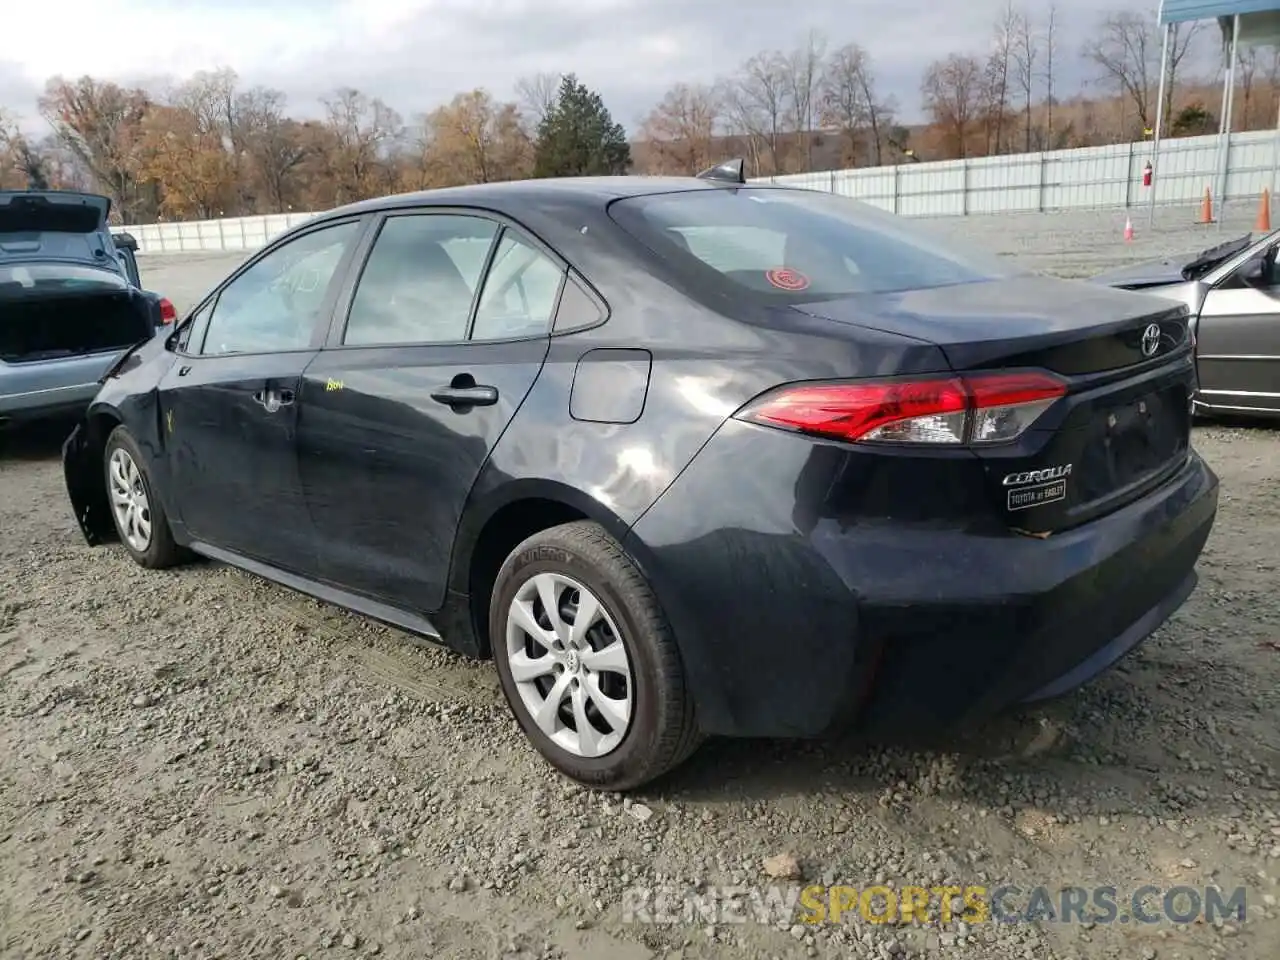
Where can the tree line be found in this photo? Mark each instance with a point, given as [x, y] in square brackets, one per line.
[208, 147]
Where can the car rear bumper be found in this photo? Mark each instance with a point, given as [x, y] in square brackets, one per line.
[51, 388]
[794, 620]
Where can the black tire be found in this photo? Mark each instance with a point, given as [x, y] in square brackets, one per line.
[663, 731]
[162, 551]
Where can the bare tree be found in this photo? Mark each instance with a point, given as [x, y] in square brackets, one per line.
[756, 100]
[1273, 86]
[360, 128]
[1181, 36]
[1050, 78]
[535, 96]
[1025, 50]
[952, 91]
[1246, 71]
[681, 129]
[1126, 51]
[803, 71]
[272, 144]
[997, 77]
[848, 100]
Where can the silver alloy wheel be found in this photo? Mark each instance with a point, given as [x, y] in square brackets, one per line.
[569, 665]
[129, 500]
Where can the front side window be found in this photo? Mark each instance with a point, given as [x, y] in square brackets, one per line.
[420, 280]
[793, 246]
[274, 306]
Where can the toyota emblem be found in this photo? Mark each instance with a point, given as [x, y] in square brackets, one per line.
[1151, 340]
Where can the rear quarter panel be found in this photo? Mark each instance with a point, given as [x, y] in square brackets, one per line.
[707, 361]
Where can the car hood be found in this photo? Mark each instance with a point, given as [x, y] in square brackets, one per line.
[1150, 273]
[1172, 269]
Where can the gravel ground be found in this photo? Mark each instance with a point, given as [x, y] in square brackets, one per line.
[200, 764]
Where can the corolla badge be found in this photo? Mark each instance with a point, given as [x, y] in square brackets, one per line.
[1151, 340]
[1059, 472]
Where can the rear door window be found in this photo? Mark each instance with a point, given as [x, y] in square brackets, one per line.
[796, 245]
[420, 280]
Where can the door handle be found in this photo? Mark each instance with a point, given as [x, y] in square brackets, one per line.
[183, 371]
[474, 396]
[273, 400]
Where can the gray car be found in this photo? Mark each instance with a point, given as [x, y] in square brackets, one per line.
[1233, 292]
[70, 301]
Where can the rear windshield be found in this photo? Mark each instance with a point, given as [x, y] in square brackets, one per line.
[798, 245]
[45, 279]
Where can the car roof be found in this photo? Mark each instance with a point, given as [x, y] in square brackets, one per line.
[510, 194]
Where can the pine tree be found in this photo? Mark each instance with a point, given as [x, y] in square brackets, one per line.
[578, 138]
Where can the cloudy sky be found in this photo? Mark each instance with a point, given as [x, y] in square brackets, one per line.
[417, 53]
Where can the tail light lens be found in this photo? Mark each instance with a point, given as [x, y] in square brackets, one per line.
[972, 409]
[168, 313]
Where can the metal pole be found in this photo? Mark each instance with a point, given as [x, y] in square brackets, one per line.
[1228, 100]
[1275, 152]
[1155, 135]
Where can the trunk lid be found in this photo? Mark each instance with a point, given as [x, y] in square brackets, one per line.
[1124, 425]
[52, 211]
[1065, 326]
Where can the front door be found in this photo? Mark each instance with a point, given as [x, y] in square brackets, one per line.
[445, 334]
[1238, 339]
[230, 404]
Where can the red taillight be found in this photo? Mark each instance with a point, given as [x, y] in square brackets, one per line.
[168, 313]
[981, 408]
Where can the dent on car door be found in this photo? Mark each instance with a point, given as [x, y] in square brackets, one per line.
[1238, 339]
[446, 330]
[230, 403]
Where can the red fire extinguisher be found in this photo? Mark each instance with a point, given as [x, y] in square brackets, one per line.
[1146, 174]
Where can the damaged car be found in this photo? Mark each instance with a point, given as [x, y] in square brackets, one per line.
[685, 457]
[70, 302]
[1233, 292]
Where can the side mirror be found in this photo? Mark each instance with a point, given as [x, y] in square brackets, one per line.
[1258, 272]
[125, 241]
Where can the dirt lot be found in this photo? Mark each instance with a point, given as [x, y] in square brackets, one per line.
[199, 764]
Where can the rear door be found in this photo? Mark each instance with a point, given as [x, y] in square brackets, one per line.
[1238, 339]
[434, 348]
[230, 404]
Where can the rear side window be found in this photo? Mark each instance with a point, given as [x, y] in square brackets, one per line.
[519, 293]
[796, 245]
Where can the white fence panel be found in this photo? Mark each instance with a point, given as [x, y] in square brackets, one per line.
[1083, 178]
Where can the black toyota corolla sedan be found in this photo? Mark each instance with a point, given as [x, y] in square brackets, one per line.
[686, 457]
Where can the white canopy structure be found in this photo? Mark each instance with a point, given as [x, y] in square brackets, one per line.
[1248, 22]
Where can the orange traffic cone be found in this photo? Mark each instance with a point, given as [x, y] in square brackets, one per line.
[1206, 208]
[1263, 223]
[1128, 230]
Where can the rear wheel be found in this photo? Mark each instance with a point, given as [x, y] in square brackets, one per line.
[139, 516]
[587, 660]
